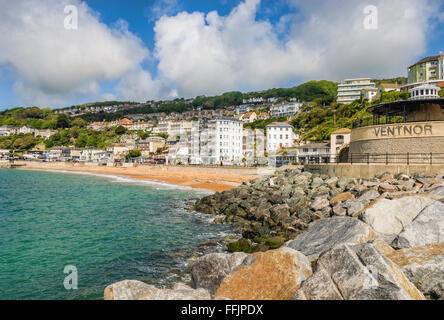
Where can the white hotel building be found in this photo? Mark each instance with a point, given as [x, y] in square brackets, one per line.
[216, 141]
[279, 135]
[350, 90]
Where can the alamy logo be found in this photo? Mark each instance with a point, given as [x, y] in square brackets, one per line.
[71, 20]
[71, 280]
[371, 18]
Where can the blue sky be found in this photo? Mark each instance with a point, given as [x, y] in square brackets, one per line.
[171, 48]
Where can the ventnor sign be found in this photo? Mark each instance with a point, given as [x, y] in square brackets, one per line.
[403, 130]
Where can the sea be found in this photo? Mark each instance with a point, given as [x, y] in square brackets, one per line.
[67, 235]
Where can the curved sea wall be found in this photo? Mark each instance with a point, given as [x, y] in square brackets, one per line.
[300, 230]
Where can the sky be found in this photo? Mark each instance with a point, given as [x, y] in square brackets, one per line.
[56, 53]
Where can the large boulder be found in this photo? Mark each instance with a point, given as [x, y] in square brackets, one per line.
[389, 217]
[324, 234]
[272, 275]
[180, 291]
[128, 290]
[426, 228]
[137, 290]
[357, 272]
[210, 270]
[424, 266]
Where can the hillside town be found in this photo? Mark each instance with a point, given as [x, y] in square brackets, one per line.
[223, 136]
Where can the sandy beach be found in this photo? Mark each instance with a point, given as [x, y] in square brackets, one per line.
[215, 179]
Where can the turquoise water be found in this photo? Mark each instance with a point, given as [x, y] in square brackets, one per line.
[110, 229]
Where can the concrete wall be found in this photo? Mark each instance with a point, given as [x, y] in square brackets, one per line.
[418, 137]
[365, 171]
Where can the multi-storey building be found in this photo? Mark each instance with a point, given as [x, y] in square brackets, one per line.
[244, 108]
[279, 135]
[429, 70]
[285, 110]
[216, 141]
[350, 90]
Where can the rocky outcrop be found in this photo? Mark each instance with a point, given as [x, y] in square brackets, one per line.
[326, 233]
[424, 266]
[272, 275]
[209, 271]
[357, 272]
[389, 217]
[426, 228]
[137, 290]
[284, 204]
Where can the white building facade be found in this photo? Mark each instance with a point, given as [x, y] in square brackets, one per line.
[279, 135]
[216, 141]
[350, 90]
[285, 110]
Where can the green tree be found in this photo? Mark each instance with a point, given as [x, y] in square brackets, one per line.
[441, 93]
[63, 121]
[120, 130]
[133, 154]
[24, 142]
[78, 122]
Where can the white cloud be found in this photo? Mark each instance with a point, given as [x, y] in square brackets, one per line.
[138, 85]
[53, 64]
[210, 53]
[205, 54]
[163, 7]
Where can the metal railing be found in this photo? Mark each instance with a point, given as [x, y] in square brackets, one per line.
[396, 158]
[382, 121]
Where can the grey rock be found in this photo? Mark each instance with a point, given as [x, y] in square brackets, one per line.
[280, 212]
[389, 217]
[424, 266]
[316, 182]
[331, 182]
[128, 290]
[320, 203]
[180, 291]
[353, 206]
[357, 272]
[324, 234]
[339, 211]
[370, 183]
[369, 195]
[437, 191]
[209, 271]
[426, 228]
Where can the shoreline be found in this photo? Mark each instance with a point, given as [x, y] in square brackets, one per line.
[195, 178]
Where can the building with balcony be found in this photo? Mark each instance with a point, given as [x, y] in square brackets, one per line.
[315, 152]
[350, 90]
[216, 141]
[429, 70]
[285, 110]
